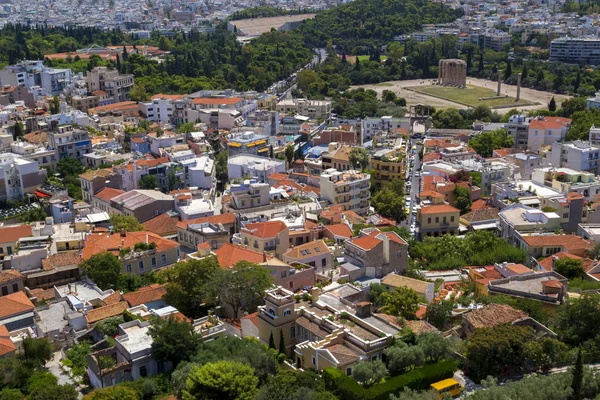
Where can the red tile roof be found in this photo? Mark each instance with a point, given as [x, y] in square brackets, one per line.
[100, 313]
[276, 176]
[146, 294]
[112, 299]
[229, 254]
[14, 233]
[439, 209]
[225, 219]
[550, 123]
[6, 344]
[341, 230]
[168, 96]
[9, 275]
[264, 230]
[217, 101]
[316, 247]
[98, 243]
[162, 225]
[107, 194]
[552, 283]
[568, 242]
[14, 304]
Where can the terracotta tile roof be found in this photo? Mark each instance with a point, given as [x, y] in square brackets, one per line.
[112, 299]
[264, 230]
[146, 294]
[344, 354]
[312, 327]
[353, 218]
[481, 214]
[168, 96]
[42, 294]
[341, 230]
[439, 209]
[493, 315]
[419, 326]
[421, 311]
[14, 233]
[98, 243]
[225, 219]
[15, 303]
[315, 248]
[100, 313]
[162, 224]
[430, 193]
[502, 152]
[229, 254]
[107, 194]
[276, 176]
[204, 246]
[432, 156]
[552, 283]
[217, 101]
[396, 281]
[39, 137]
[367, 242]
[60, 260]
[9, 275]
[6, 344]
[123, 106]
[568, 242]
[550, 123]
[519, 269]
[150, 163]
[480, 204]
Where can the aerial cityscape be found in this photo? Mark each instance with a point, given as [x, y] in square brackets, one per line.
[267, 200]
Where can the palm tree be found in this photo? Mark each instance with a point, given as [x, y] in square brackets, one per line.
[593, 253]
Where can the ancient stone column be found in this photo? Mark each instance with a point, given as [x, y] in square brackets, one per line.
[440, 67]
[518, 87]
[499, 82]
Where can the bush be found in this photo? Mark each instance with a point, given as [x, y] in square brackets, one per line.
[347, 388]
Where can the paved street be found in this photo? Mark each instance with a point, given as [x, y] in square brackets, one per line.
[63, 378]
[415, 183]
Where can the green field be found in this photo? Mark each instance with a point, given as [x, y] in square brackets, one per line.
[366, 58]
[470, 96]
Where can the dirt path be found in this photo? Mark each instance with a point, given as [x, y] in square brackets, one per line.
[399, 87]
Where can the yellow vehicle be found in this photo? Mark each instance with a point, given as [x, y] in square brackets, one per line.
[447, 388]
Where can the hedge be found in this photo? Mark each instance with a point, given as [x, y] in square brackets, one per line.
[417, 379]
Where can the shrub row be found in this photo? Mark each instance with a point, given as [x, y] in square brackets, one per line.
[417, 379]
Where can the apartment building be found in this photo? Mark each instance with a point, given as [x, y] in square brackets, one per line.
[576, 155]
[567, 180]
[525, 163]
[142, 204]
[160, 108]
[369, 127]
[200, 172]
[93, 182]
[84, 103]
[496, 40]
[70, 142]
[250, 194]
[215, 230]
[19, 176]
[115, 85]
[546, 244]
[545, 131]
[314, 109]
[270, 236]
[518, 127]
[387, 165]
[518, 218]
[349, 189]
[138, 252]
[242, 165]
[248, 143]
[337, 157]
[437, 220]
[575, 50]
[35, 73]
[491, 172]
[377, 253]
[315, 253]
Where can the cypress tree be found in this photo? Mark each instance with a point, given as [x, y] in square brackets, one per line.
[577, 376]
[271, 341]
[281, 343]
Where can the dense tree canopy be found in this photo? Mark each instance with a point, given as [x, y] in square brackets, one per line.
[103, 269]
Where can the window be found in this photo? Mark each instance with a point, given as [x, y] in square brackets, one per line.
[128, 268]
[143, 371]
[323, 262]
[437, 219]
[141, 266]
[9, 249]
[272, 311]
[153, 262]
[283, 274]
[163, 259]
[15, 287]
[452, 218]
[429, 220]
[314, 361]
[292, 332]
[4, 290]
[287, 312]
[348, 371]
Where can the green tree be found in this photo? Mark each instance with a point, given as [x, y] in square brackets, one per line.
[389, 201]
[439, 313]
[401, 357]
[594, 253]
[435, 347]
[575, 322]
[369, 372]
[449, 118]
[462, 199]
[271, 341]
[119, 392]
[359, 157]
[306, 78]
[402, 302]
[173, 340]
[289, 155]
[69, 166]
[164, 43]
[148, 182]
[109, 326]
[103, 269]
[37, 351]
[138, 93]
[76, 357]
[221, 169]
[127, 223]
[281, 342]
[486, 142]
[54, 105]
[18, 130]
[552, 105]
[570, 268]
[228, 380]
[190, 285]
[243, 286]
[11, 394]
[577, 376]
[388, 96]
[57, 392]
[491, 351]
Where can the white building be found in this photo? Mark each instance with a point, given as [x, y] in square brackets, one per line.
[576, 50]
[35, 73]
[191, 206]
[241, 165]
[19, 176]
[371, 126]
[201, 172]
[350, 189]
[577, 155]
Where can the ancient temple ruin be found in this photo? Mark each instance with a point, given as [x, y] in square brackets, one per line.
[452, 72]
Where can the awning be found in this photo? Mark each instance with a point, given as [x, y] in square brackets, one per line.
[42, 194]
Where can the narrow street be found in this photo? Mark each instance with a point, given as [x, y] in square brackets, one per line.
[54, 367]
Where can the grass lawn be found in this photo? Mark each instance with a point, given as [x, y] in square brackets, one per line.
[385, 84]
[366, 58]
[470, 96]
